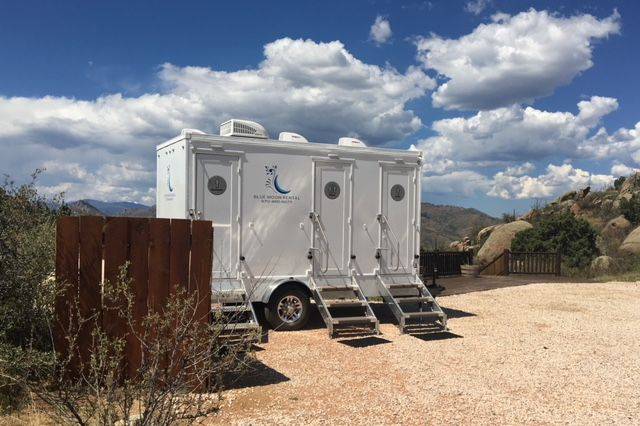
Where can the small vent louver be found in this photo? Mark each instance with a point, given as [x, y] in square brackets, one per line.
[243, 128]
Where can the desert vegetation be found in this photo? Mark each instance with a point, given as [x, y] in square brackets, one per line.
[596, 232]
[183, 365]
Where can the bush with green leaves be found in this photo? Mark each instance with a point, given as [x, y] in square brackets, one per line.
[509, 217]
[27, 249]
[180, 353]
[617, 184]
[630, 209]
[573, 237]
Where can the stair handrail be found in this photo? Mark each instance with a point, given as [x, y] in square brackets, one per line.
[383, 217]
[316, 218]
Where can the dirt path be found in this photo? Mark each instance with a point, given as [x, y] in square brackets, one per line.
[542, 353]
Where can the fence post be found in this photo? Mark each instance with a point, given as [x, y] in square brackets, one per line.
[558, 263]
[506, 256]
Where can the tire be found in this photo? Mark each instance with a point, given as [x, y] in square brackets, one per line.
[294, 312]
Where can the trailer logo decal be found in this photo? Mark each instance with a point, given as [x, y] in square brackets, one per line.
[275, 193]
[169, 186]
[271, 181]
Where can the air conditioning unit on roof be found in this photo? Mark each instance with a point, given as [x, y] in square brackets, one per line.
[243, 128]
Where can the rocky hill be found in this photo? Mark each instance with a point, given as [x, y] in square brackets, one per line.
[105, 208]
[596, 207]
[443, 224]
[613, 213]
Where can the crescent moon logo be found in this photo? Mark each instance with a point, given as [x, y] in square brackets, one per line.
[170, 187]
[279, 188]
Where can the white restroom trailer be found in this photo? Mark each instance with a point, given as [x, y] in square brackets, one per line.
[296, 221]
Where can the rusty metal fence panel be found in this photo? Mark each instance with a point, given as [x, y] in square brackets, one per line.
[447, 262]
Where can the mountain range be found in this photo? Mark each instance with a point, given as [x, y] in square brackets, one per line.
[440, 224]
[115, 208]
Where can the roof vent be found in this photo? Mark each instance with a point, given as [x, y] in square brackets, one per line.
[292, 137]
[351, 142]
[243, 128]
[184, 132]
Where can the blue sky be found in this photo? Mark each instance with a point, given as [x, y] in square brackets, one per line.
[488, 89]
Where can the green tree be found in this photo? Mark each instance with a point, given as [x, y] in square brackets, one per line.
[617, 184]
[631, 209]
[574, 238]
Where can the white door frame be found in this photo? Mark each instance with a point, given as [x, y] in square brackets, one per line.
[235, 239]
[405, 265]
[322, 161]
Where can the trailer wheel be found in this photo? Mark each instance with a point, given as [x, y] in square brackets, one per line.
[288, 309]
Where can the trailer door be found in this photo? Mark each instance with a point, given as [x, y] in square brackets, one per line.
[217, 193]
[332, 208]
[397, 218]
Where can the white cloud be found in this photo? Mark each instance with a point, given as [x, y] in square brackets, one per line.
[465, 183]
[515, 139]
[123, 181]
[380, 31]
[476, 6]
[513, 59]
[317, 89]
[522, 134]
[624, 144]
[556, 180]
[519, 170]
[512, 183]
[619, 169]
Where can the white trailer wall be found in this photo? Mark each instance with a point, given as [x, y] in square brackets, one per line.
[268, 193]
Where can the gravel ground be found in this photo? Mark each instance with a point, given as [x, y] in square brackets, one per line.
[541, 353]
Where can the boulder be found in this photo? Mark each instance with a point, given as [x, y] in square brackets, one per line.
[566, 205]
[500, 239]
[616, 227]
[630, 186]
[585, 191]
[602, 264]
[575, 209]
[485, 232]
[464, 245]
[631, 244]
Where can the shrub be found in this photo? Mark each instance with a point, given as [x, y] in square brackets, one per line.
[574, 238]
[180, 354]
[182, 358]
[630, 209]
[617, 184]
[27, 247]
[508, 217]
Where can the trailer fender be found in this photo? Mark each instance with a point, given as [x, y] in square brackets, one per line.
[266, 296]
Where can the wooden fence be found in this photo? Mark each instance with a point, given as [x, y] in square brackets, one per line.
[447, 262]
[509, 262]
[164, 255]
[534, 263]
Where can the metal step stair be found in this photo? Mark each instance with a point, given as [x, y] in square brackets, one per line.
[342, 306]
[235, 320]
[413, 306]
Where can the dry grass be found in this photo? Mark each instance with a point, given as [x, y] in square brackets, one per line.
[541, 353]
